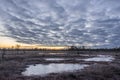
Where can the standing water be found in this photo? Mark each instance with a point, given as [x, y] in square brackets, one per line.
[42, 69]
[104, 58]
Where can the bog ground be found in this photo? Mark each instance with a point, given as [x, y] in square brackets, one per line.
[60, 65]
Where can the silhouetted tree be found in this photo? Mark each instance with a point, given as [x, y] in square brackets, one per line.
[3, 55]
[17, 48]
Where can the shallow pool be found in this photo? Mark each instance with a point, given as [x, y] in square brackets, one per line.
[54, 59]
[41, 69]
[105, 58]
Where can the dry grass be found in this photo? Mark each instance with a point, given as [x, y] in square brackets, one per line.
[13, 65]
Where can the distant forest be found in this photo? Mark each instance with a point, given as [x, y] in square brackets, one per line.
[70, 48]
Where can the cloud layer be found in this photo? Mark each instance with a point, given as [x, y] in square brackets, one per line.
[61, 22]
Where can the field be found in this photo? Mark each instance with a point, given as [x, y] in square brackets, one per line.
[101, 65]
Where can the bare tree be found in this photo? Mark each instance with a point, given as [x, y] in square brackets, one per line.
[3, 55]
[17, 48]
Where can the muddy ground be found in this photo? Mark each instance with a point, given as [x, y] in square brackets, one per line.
[13, 65]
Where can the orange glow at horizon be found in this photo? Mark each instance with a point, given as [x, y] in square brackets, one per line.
[6, 42]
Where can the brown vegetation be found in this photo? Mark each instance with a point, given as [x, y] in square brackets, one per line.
[13, 64]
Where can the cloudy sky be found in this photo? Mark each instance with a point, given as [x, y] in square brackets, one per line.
[61, 22]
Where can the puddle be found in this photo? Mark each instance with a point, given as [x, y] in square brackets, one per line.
[105, 58]
[98, 58]
[42, 69]
[54, 59]
[56, 53]
[59, 59]
[85, 55]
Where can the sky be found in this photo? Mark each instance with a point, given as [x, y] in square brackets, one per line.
[61, 22]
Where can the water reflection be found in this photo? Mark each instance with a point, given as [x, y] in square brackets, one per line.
[42, 69]
[105, 58]
[52, 59]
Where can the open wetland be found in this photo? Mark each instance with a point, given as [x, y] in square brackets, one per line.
[82, 66]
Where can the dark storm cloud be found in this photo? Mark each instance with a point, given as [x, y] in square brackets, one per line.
[61, 22]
